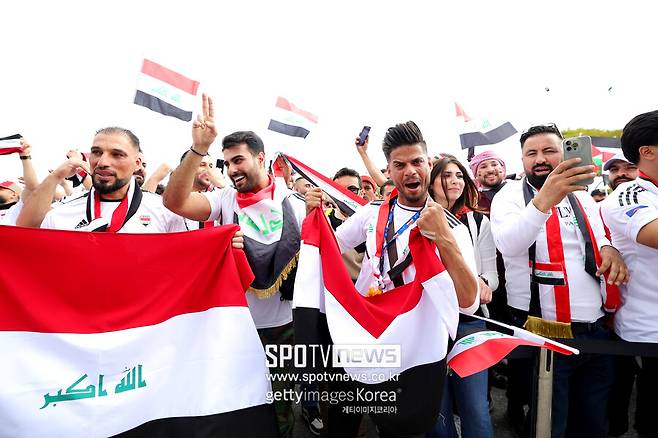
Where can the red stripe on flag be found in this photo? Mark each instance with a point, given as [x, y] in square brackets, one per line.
[171, 77]
[120, 281]
[482, 356]
[461, 113]
[375, 313]
[7, 151]
[286, 105]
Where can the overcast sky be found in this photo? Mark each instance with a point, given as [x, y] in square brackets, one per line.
[70, 68]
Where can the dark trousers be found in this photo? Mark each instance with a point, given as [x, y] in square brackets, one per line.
[626, 368]
[284, 414]
[647, 390]
[581, 386]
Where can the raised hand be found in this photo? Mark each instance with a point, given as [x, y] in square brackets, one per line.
[361, 147]
[432, 221]
[562, 180]
[70, 167]
[203, 128]
[313, 199]
[27, 149]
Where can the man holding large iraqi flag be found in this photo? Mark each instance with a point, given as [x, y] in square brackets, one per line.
[413, 280]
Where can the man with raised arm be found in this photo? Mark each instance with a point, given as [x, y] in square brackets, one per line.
[269, 214]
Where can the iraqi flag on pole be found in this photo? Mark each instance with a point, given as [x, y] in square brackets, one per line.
[408, 326]
[165, 91]
[291, 120]
[347, 201]
[136, 341]
[480, 350]
[474, 132]
[10, 144]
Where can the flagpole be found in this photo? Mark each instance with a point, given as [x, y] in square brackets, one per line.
[544, 401]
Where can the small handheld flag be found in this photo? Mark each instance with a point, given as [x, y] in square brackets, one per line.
[291, 120]
[165, 91]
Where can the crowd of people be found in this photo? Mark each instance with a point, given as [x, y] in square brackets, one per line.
[533, 250]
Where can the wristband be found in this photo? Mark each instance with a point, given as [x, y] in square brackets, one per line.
[25, 157]
[201, 155]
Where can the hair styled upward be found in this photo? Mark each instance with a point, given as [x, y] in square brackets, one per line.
[642, 130]
[402, 134]
[253, 141]
[468, 198]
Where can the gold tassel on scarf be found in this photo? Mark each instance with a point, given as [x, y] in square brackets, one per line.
[263, 294]
[548, 329]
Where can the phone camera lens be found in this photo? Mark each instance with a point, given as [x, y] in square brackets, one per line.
[575, 145]
[568, 142]
[568, 148]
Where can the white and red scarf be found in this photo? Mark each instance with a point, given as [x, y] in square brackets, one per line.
[553, 272]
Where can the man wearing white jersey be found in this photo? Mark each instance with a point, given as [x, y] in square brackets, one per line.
[550, 234]
[385, 227]
[114, 204]
[269, 215]
[631, 213]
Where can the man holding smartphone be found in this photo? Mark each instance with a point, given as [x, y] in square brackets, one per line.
[550, 234]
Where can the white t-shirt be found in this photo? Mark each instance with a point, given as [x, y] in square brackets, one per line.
[361, 227]
[9, 216]
[270, 312]
[151, 216]
[630, 207]
[515, 226]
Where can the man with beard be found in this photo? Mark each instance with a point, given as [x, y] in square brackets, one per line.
[114, 204]
[548, 229]
[620, 170]
[140, 172]
[269, 214]
[488, 170]
[386, 269]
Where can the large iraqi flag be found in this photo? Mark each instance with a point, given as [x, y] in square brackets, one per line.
[415, 319]
[142, 335]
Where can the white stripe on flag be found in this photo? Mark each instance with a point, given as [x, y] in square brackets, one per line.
[166, 92]
[291, 118]
[191, 365]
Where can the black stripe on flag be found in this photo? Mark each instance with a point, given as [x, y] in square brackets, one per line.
[160, 106]
[496, 135]
[254, 421]
[284, 128]
[606, 142]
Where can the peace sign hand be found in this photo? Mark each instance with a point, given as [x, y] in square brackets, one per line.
[203, 128]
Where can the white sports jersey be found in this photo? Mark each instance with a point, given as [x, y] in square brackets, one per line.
[151, 215]
[629, 208]
[273, 311]
[361, 227]
[9, 216]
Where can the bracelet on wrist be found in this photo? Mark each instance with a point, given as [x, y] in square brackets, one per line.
[199, 154]
[25, 157]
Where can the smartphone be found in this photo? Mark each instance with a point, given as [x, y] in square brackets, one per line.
[220, 165]
[580, 147]
[364, 135]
